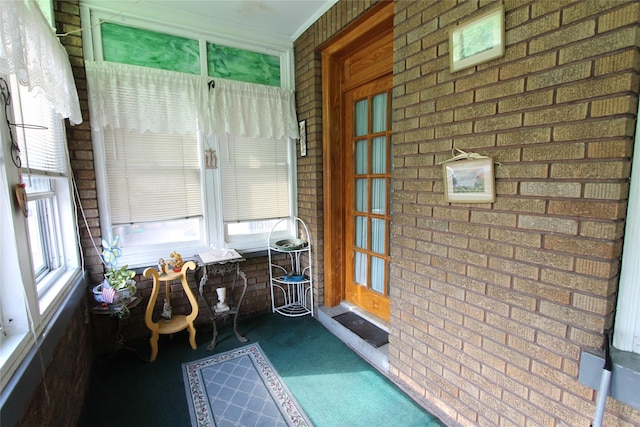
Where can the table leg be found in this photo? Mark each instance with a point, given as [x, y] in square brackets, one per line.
[244, 291]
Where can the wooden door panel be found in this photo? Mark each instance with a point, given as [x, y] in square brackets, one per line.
[369, 63]
[360, 206]
[359, 54]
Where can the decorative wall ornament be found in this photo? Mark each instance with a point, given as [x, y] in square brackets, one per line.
[477, 40]
[469, 178]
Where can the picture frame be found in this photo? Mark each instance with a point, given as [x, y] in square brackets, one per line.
[478, 40]
[469, 181]
[302, 127]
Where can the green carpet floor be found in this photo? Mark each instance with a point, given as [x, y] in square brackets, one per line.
[334, 386]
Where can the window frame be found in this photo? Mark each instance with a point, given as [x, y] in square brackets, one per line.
[626, 335]
[214, 228]
[29, 306]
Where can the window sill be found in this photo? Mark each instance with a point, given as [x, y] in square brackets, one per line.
[625, 374]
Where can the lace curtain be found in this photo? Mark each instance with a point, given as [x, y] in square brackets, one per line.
[251, 110]
[146, 99]
[30, 50]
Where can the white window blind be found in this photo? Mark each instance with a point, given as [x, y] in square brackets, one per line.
[40, 133]
[255, 178]
[152, 177]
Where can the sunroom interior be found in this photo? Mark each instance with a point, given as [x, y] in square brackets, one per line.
[196, 129]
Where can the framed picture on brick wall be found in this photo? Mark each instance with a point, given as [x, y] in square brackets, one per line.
[477, 40]
[469, 181]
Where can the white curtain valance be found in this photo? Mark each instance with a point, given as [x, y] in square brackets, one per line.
[250, 110]
[30, 50]
[141, 99]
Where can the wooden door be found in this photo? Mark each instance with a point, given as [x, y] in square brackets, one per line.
[368, 180]
[357, 65]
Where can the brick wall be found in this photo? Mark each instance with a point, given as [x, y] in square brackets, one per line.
[491, 304]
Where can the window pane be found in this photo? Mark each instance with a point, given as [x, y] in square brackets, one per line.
[42, 139]
[255, 177]
[377, 274]
[361, 118]
[378, 196]
[360, 268]
[42, 222]
[378, 235]
[160, 232]
[255, 227]
[379, 114]
[361, 157]
[152, 177]
[361, 232]
[361, 195]
[36, 240]
[379, 155]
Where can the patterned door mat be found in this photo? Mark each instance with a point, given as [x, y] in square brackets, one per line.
[363, 328]
[239, 388]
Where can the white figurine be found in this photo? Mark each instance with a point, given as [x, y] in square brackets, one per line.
[166, 311]
[222, 296]
[162, 266]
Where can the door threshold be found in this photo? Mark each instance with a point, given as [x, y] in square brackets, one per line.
[376, 357]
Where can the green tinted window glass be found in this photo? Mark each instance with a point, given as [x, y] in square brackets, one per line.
[243, 65]
[134, 46]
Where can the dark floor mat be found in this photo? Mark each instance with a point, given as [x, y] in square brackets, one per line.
[363, 328]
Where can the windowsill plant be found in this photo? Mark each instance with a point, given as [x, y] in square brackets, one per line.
[119, 287]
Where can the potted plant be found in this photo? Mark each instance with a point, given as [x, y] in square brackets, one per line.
[118, 286]
[121, 280]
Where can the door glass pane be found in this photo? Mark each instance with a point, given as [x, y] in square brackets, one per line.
[361, 232]
[361, 118]
[361, 157]
[379, 155]
[361, 195]
[378, 196]
[377, 274]
[377, 235]
[379, 113]
[360, 268]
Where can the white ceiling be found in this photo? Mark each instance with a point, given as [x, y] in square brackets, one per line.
[264, 20]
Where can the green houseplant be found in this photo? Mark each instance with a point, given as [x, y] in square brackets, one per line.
[121, 280]
[119, 286]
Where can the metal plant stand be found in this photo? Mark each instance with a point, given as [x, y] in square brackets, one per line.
[291, 279]
[223, 268]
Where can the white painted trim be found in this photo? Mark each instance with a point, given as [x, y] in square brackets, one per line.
[627, 325]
